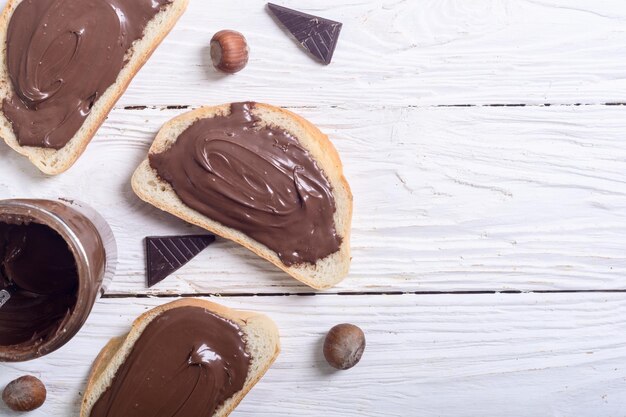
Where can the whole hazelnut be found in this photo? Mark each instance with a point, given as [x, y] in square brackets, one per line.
[229, 51]
[26, 393]
[344, 346]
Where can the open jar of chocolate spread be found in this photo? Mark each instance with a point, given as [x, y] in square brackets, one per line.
[56, 258]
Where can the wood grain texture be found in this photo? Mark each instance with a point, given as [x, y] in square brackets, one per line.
[399, 53]
[439, 355]
[446, 199]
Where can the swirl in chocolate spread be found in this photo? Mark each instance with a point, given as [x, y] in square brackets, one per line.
[186, 363]
[62, 55]
[255, 179]
[39, 271]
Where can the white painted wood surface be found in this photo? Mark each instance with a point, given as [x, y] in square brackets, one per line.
[439, 355]
[402, 52]
[451, 195]
[446, 199]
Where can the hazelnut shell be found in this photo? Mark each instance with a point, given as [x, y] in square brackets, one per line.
[229, 51]
[26, 393]
[344, 346]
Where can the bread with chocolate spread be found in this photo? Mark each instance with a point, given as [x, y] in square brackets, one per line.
[64, 65]
[261, 176]
[189, 358]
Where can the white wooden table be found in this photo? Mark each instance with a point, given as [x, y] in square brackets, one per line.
[485, 142]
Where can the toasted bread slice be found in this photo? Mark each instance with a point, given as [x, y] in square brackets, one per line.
[260, 332]
[52, 161]
[327, 271]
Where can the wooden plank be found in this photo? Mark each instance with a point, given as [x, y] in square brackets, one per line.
[398, 53]
[446, 199]
[480, 355]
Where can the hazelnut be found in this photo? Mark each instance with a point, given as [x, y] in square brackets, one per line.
[24, 394]
[229, 51]
[344, 346]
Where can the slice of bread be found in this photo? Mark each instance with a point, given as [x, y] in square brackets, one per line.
[262, 342]
[327, 271]
[51, 161]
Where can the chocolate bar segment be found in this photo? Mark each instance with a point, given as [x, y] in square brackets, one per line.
[315, 34]
[167, 254]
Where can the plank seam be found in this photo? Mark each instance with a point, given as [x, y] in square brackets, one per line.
[411, 106]
[356, 293]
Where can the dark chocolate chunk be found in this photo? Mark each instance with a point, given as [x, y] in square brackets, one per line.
[317, 35]
[167, 254]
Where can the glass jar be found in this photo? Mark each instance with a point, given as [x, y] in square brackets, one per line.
[41, 238]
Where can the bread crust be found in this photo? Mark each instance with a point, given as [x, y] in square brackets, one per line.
[52, 161]
[117, 349]
[328, 271]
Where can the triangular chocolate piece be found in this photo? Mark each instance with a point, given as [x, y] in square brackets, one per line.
[317, 35]
[166, 254]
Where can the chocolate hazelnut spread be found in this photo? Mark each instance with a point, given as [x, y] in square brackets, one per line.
[39, 271]
[256, 179]
[52, 263]
[62, 55]
[186, 363]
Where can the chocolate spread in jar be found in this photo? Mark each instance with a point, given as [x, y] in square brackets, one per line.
[186, 363]
[52, 262]
[39, 271]
[62, 55]
[255, 179]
